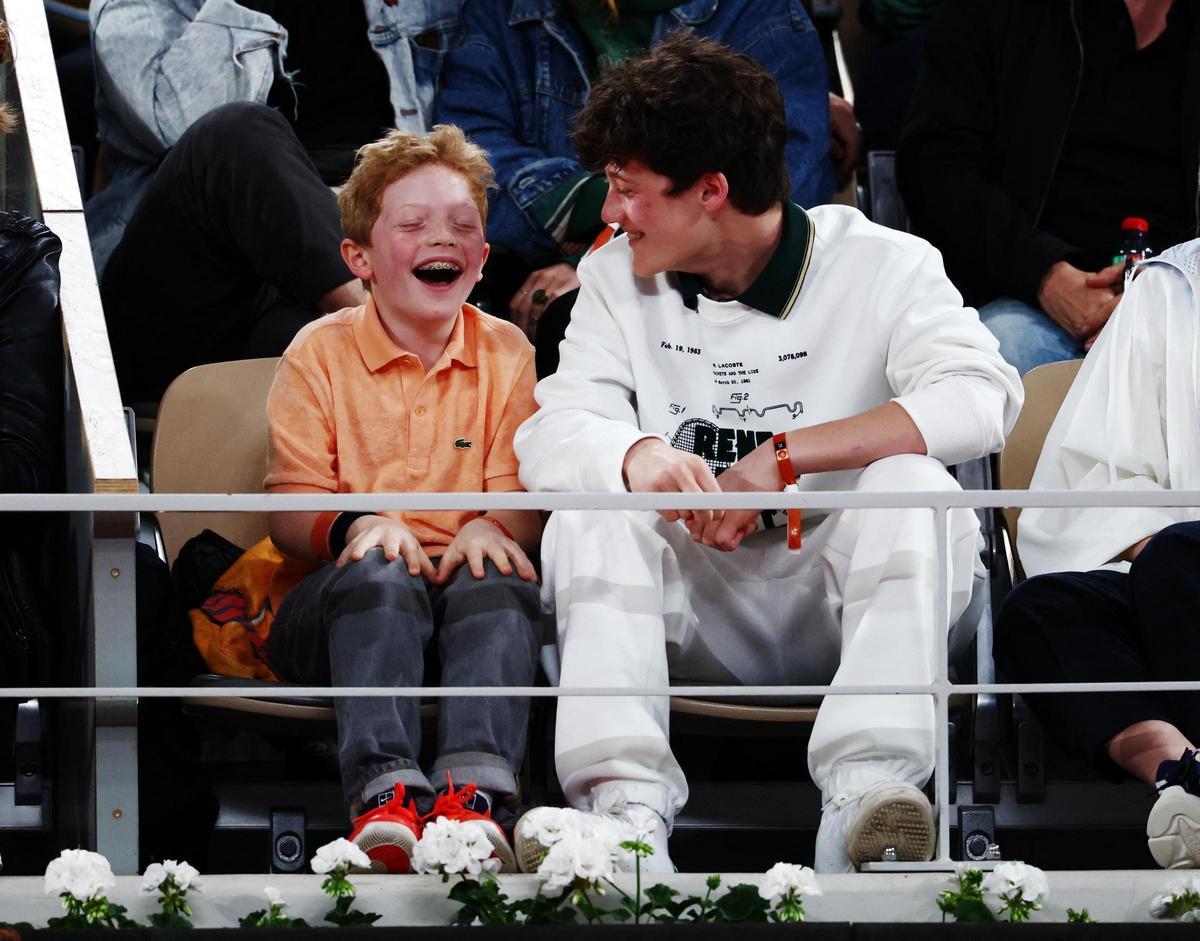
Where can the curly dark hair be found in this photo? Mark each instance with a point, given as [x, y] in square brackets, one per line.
[688, 107]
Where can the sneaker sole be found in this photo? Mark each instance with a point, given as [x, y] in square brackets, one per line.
[500, 845]
[898, 817]
[389, 846]
[527, 848]
[1173, 830]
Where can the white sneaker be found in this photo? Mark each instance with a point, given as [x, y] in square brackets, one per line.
[858, 829]
[1173, 829]
[542, 827]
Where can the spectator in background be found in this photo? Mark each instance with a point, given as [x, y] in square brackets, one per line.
[1115, 592]
[1037, 126]
[523, 72]
[225, 124]
[885, 85]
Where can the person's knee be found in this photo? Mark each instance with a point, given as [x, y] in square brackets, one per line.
[1022, 617]
[1173, 547]
[499, 592]
[374, 580]
[241, 130]
[906, 472]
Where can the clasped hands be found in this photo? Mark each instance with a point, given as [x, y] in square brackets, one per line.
[653, 466]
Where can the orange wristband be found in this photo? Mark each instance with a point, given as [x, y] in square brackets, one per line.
[318, 539]
[500, 526]
[787, 473]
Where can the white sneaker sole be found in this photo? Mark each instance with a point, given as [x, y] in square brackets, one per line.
[896, 816]
[1173, 829]
[501, 848]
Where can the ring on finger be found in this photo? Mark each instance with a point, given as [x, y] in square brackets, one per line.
[540, 297]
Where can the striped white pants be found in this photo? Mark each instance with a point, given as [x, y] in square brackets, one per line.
[639, 604]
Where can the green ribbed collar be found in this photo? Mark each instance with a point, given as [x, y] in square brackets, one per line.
[775, 290]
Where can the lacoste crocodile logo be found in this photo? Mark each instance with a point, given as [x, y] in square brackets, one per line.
[462, 443]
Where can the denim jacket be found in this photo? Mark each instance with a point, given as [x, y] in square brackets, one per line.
[161, 64]
[520, 75]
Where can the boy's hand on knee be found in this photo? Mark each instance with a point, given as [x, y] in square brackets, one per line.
[479, 540]
[396, 540]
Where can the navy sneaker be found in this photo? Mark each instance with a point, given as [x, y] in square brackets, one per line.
[1173, 827]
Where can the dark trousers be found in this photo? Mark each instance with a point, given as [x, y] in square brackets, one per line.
[368, 624]
[1107, 626]
[233, 244]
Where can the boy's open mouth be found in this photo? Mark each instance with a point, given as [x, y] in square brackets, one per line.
[437, 272]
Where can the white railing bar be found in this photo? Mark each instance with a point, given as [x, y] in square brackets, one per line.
[281, 691]
[830, 499]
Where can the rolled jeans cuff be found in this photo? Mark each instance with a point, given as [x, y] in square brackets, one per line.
[488, 772]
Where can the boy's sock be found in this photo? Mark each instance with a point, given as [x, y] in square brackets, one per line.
[468, 803]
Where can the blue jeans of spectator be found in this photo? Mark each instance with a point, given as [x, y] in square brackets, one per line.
[368, 624]
[1027, 335]
[1106, 626]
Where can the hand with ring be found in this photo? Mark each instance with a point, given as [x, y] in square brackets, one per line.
[541, 288]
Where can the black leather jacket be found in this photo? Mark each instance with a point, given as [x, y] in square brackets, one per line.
[31, 363]
[31, 443]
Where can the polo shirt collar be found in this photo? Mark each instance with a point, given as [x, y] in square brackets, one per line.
[775, 290]
[378, 349]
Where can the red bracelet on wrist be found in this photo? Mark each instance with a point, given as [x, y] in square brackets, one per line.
[500, 526]
[787, 473]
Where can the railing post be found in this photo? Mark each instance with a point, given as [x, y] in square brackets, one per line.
[113, 662]
[941, 663]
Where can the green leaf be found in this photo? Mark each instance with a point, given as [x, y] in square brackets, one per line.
[742, 903]
[253, 920]
[659, 895]
[351, 918]
[972, 911]
[1081, 917]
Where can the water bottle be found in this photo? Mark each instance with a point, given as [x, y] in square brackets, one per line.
[1135, 243]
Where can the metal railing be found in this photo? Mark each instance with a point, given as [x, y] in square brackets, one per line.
[938, 502]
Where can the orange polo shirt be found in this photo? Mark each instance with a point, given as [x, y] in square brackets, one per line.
[351, 412]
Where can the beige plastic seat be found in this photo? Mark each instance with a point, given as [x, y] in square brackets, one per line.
[211, 437]
[1045, 388]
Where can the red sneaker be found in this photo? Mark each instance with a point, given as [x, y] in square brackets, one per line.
[465, 804]
[388, 833]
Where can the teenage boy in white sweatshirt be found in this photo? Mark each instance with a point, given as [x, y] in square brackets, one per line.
[727, 341]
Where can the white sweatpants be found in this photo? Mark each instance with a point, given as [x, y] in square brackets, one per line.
[638, 603]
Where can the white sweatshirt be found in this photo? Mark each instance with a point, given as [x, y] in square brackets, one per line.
[1130, 423]
[876, 319]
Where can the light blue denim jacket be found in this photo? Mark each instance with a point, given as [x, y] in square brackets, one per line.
[520, 75]
[161, 64]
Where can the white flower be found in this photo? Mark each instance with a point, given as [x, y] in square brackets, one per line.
[273, 896]
[454, 846]
[787, 877]
[579, 857]
[549, 824]
[80, 874]
[183, 874]
[1009, 880]
[1182, 886]
[1191, 915]
[1160, 906]
[341, 852]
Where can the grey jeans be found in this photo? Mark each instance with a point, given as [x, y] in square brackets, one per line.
[368, 624]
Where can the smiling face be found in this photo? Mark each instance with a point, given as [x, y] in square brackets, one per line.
[666, 233]
[427, 247]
